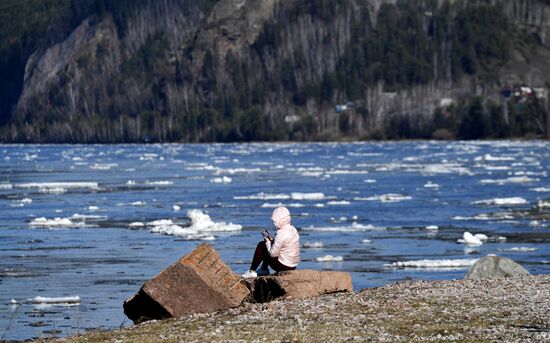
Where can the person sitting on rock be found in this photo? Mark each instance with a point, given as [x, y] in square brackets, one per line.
[281, 252]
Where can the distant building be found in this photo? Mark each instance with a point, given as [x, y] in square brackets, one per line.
[291, 119]
[344, 107]
[341, 108]
[446, 102]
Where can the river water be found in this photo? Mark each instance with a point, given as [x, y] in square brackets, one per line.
[83, 226]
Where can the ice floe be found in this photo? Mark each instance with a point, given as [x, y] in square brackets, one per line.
[432, 227]
[431, 185]
[537, 189]
[346, 172]
[502, 201]
[469, 239]
[57, 300]
[58, 185]
[263, 196]
[103, 166]
[385, 198]
[238, 170]
[21, 202]
[307, 196]
[280, 204]
[543, 204]
[176, 208]
[315, 245]
[443, 263]
[489, 157]
[224, 179]
[488, 216]
[159, 183]
[366, 241]
[338, 203]
[6, 186]
[55, 222]
[202, 222]
[136, 224]
[355, 227]
[159, 222]
[93, 208]
[510, 180]
[329, 258]
[518, 249]
[201, 226]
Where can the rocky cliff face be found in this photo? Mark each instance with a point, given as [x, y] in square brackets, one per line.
[275, 69]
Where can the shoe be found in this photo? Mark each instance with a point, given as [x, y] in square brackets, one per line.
[249, 274]
[262, 272]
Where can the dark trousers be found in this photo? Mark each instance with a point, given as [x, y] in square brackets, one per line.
[262, 255]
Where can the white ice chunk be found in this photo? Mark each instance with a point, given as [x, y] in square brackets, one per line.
[103, 166]
[429, 184]
[6, 186]
[58, 300]
[510, 180]
[159, 183]
[385, 198]
[537, 189]
[58, 185]
[224, 179]
[160, 222]
[489, 157]
[275, 205]
[329, 258]
[450, 263]
[176, 208]
[201, 221]
[307, 196]
[519, 249]
[56, 222]
[263, 196]
[432, 227]
[502, 201]
[316, 245]
[481, 237]
[136, 224]
[93, 208]
[355, 227]
[470, 239]
[338, 203]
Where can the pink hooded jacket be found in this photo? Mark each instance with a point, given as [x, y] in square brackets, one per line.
[286, 245]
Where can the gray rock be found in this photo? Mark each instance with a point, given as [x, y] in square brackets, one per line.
[495, 266]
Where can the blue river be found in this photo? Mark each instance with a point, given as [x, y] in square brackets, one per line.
[83, 226]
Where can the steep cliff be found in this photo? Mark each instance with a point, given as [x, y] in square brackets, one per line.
[191, 70]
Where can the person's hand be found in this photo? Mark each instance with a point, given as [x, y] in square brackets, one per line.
[267, 236]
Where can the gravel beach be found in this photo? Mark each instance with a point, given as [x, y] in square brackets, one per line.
[512, 309]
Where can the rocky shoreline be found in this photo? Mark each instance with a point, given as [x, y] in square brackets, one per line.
[504, 309]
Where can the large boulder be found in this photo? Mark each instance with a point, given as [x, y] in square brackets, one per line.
[296, 284]
[199, 282]
[495, 266]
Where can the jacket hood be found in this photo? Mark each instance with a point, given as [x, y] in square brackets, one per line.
[281, 217]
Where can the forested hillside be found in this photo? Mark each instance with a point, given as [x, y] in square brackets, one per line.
[246, 70]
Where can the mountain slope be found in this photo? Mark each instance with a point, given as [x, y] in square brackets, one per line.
[233, 70]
